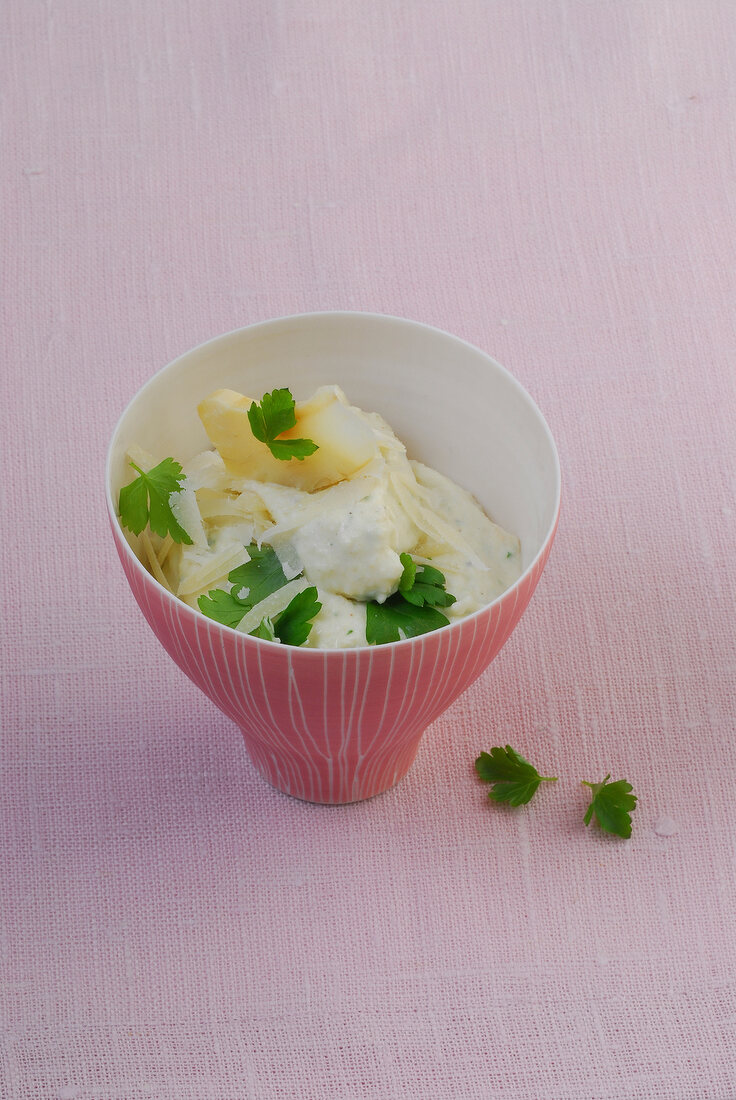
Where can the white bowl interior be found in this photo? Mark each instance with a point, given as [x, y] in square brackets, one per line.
[453, 406]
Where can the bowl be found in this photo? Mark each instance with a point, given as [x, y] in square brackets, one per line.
[336, 726]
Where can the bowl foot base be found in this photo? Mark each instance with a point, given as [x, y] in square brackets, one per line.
[337, 781]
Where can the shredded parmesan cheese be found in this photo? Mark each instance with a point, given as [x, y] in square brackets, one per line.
[208, 570]
[184, 507]
[273, 605]
[164, 550]
[153, 561]
[432, 525]
[144, 460]
[343, 532]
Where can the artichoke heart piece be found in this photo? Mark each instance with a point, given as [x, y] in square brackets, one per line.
[346, 441]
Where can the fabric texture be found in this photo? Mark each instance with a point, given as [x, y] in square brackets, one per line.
[552, 180]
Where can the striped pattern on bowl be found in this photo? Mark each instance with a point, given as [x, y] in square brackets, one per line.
[330, 726]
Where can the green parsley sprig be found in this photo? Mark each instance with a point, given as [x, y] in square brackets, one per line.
[612, 805]
[412, 609]
[253, 582]
[261, 575]
[276, 413]
[265, 630]
[423, 584]
[146, 501]
[514, 779]
[293, 624]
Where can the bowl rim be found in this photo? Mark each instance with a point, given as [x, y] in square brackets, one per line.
[454, 624]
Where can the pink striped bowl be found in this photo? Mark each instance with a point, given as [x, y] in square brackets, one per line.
[337, 726]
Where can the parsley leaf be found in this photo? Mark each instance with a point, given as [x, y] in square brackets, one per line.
[265, 629]
[262, 575]
[223, 607]
[514, 779]
[251, 583]
[145, 500]
[411, 609]
[292, 626]
[612, 804]
[409, 573]
[423, 584]
[274, 415]
[383, 621]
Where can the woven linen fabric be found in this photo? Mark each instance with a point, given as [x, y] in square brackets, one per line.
[552, 180]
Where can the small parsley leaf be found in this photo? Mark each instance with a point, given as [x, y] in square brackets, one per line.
[261, 575]
[293, 625]
[284, 449]
[276, 414]
[251, 583]
[223, 607]
[265, 629]
[514, 779]
[427, 586]
[409, 573]
[612, 804]
[383, 621]
[412, 610]
[145, 500]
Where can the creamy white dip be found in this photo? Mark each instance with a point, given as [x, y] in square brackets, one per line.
[345, 538]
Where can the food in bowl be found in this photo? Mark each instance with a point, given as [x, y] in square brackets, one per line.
[307, 524]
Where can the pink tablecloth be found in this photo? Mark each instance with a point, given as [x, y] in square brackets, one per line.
[554, 181]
